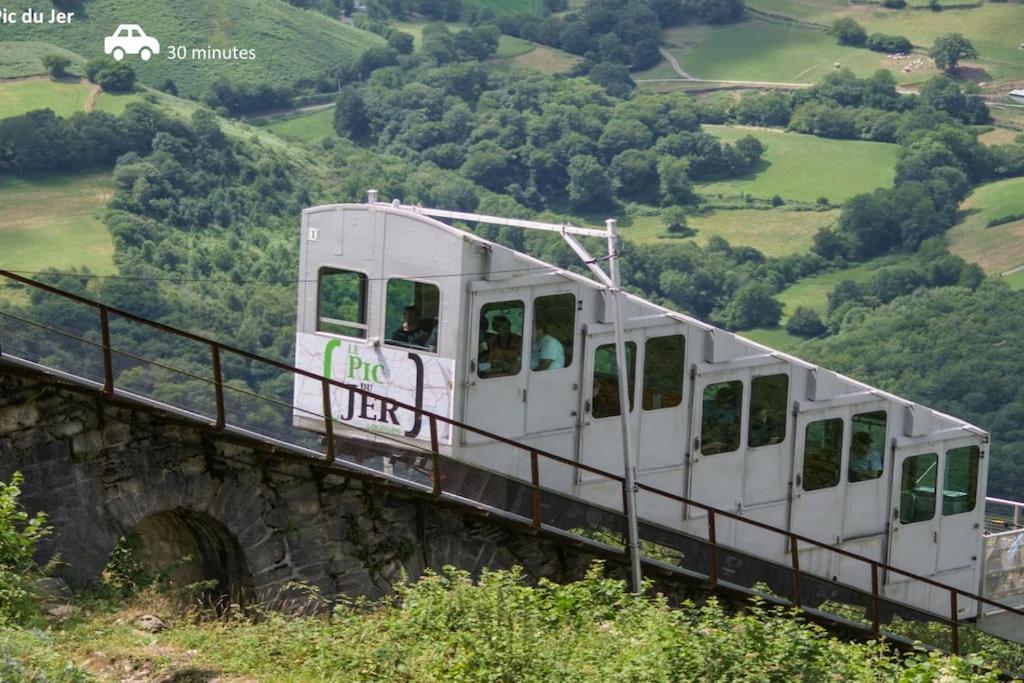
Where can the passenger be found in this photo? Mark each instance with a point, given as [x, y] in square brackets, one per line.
[547, 353]
[720, 422]
[411, 332]
[865, 461]
[505, 349]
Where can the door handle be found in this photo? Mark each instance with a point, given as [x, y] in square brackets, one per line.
[586, 406]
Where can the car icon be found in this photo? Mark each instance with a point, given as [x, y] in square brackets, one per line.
[130, 39]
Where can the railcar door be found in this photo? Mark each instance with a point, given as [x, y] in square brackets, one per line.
[601, 426]
[498, 361]
[915, 524]
[961, 517]
[817, 506]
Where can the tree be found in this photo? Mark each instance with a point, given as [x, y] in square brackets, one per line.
[57, 65]
[110, 75]
[949, 49]
[589, 185]
[19, 535]
[753, 306]
[350, 118]
[635, 174]
[675, 221]
[750, 148]
[614, 78]
[849, 32]
[675, 181]
[400, 42]
[805, 322]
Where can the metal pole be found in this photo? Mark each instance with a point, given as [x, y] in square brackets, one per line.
[615, 296]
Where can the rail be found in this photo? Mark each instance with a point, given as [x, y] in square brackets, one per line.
[233, 403]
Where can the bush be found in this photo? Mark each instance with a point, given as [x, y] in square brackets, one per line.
[110, 75]
[848, 32]
[57, 65]
[894, 4]
[19, 535]
[777, 200]
[805, 322]
[880, 42]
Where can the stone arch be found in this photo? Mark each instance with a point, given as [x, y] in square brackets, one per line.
[192, 546]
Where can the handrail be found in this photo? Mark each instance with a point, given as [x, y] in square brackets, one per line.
[534, 453]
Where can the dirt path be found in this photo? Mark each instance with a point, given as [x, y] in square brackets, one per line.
[675, 64]
[94, 94]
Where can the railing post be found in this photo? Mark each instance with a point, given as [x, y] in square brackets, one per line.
[875, 602]
[794, 556]
[328, 420]
[218, 385]
[436, 456]
[954, 625]
[108, 361]
[535, 490]
[713, 559]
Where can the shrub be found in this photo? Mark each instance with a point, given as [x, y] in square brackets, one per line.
[57, 65]
[805, 322]
[110, 75]
[880, 42]
[777, 200]
[19, 534]
[894, 4]
[848, 32]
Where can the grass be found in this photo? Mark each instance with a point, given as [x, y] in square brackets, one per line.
[510, 46]
[775, 233]
[290, 43]
[114, 103]
[305, 128]
[812, 292]
[503, 8]
[63, 97]
[993, 28]
[805, 167]
[1015, 280]
[774, 337]
[997, 248]
[25, 58]
[541, 58]
[52, 222]
[758, 50]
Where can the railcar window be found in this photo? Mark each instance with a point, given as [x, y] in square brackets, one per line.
[867, 446]
[341, 302]
[412, 314]
[720, 417]
[605, 398]
[554, 331]
[823, 454]
[664, 370]
[500, 345]
[960, 481]
[917, 488]
[769, 396]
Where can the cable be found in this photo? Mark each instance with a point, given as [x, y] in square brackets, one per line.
[87, 276]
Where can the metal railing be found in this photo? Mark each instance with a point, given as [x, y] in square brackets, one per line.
[235, 406]
[1003, 515]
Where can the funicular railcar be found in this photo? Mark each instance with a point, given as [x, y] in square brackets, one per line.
[406, 305]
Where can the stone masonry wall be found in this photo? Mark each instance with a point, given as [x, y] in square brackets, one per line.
[99, 468]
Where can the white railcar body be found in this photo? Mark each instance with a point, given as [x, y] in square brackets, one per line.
[440, 318]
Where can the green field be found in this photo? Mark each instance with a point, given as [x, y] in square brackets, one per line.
[52, 222]
[509, 7]
[510, 46]
[993, 28]
[774, 233]
[775, 337]
[998, 248]
[64, 97]
[805, 167]
[21, 58]
[812, 292]
[1015, 279]
[305, 128]
[290, 43]
[758, 50]
[541, 58]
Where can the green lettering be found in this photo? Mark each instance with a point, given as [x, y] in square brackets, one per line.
[329, 355]
[354, 363]
[376, 373]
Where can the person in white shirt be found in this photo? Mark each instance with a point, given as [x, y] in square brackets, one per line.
[547, 352]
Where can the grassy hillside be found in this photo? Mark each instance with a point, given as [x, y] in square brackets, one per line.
[993, 28]
[24, 58]
[290, 44]
[509, 7]
[540, 58]
[1000, 247]
[805, 167]
[305, 128]
[774, 233]
[64, 98]
[52, 222]
[758, 50]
